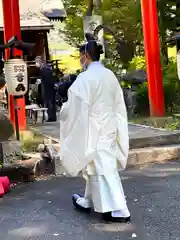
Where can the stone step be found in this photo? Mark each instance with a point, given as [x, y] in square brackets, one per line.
[166, 138]
[157, 154]
[144, 136]
[140, 157]
[152, 141]
[140, 136]
[156, 140]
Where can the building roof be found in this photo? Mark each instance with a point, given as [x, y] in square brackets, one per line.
[34, 13]
[53, 9]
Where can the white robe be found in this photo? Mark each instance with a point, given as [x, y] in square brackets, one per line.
[94, 134]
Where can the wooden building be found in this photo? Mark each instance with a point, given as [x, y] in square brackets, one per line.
[36, 21]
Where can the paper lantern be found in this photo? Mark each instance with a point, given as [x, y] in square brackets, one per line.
[16, 77]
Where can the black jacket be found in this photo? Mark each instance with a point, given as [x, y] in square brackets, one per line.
[48, 81]
[64, 86]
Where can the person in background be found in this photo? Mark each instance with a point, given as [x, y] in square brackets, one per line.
[65, 85]
[48, 88]
[62, 88]
[59, 75]
[95, 113]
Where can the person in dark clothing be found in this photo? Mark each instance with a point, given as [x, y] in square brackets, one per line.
[64, 86]
[48, 88]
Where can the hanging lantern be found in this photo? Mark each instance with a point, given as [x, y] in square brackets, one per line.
[16, 77]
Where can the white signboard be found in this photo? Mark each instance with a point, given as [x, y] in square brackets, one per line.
[178, 64]
[16, 77]
[91, 23]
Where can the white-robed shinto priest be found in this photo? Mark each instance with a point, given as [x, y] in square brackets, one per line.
[94, 137]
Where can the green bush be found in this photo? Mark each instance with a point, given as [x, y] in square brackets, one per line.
[171, 91]
[137, 63]
[170, 72]
[30, 141]
[142, 100]
[170, 82]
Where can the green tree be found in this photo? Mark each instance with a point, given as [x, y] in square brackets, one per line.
[122, 28]
[167, 24]
[168, 16]
[178, 20]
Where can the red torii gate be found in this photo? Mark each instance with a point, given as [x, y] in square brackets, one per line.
[151, 44]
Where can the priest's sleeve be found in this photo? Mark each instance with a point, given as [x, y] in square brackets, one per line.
[122, 129]
[74, 128]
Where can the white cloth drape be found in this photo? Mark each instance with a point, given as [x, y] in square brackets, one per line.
[93, 124]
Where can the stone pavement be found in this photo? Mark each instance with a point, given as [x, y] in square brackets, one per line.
[43, 210]
[135, 131]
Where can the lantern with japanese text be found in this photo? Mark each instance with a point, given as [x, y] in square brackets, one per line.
[16, 77]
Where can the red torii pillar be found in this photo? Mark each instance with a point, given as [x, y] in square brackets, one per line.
[152, 53]
[12, 28]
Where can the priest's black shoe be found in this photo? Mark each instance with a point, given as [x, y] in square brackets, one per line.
[108, 218]
[77, 206]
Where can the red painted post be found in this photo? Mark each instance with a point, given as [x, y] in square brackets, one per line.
[152, 53]
[12, 28]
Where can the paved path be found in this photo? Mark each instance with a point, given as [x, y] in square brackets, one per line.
[43, 210]
[52, 130]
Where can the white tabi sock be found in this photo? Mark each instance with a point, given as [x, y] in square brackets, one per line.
[84, 202]
[124, 213]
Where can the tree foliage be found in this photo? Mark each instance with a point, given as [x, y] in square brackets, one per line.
[123, 19]
[119, 16]
[74, 21]
[167, 24]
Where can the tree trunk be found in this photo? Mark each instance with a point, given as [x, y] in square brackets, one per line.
[178, 23]
[178, 45]
[90, 8]
[164, 50]
[97, 5]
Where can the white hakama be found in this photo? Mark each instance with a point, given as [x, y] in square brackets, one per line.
[106, 193]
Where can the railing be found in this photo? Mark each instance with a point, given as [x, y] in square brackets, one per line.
[53, 63]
